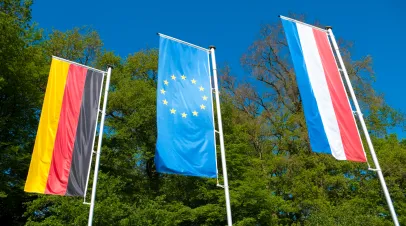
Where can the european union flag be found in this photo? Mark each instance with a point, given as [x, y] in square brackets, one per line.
[185, 143]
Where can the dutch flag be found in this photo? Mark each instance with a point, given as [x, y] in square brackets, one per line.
[331, 124]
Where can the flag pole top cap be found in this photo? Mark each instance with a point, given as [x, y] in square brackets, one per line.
[212, 47]
[329, 27]
[110, 65]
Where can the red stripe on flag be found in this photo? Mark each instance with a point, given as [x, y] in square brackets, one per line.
[348, 130]
[66, 133]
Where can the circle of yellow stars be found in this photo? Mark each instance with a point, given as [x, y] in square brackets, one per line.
[194, 82]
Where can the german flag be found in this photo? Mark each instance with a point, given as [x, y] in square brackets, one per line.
[65, 137]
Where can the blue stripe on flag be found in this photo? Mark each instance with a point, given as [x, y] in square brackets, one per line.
[317, 134]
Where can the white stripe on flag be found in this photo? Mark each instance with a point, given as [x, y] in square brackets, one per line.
[321, 92]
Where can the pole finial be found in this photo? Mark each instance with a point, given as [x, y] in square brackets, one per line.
[110, 65]
[212, 47]
[329, 28]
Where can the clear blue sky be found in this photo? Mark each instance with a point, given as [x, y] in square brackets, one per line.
[375, 28]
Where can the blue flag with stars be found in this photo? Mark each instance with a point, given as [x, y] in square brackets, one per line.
[186, 139]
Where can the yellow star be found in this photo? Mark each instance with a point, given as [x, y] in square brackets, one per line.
[165, 102]
[195, 113]
[173, 77]
[204, 97]
[173, 111]
[166, 82]
[201, 88]
[163, 91]
[193, 81]
[183, 77]
[202, 107]
[184, 115]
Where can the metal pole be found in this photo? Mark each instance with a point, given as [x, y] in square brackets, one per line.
[364, 128]
[220, 127]
[99, 143]
[212, 109]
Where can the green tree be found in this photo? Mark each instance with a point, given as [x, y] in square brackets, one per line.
[81, 45]
[21, 76]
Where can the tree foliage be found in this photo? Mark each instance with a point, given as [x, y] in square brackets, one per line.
[275, 178]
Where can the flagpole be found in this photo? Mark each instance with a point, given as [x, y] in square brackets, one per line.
[99, 143]
[220, 127]
[364, 128]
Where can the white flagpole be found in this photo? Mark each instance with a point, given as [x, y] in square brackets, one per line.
[99, 143]
[364, 128]
[220, 127]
